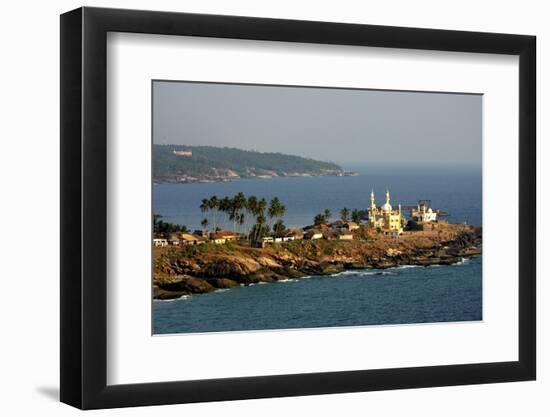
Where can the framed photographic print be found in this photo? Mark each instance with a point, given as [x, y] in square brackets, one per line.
[258, 207]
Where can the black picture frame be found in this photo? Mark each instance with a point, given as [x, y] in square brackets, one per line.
[84, 207]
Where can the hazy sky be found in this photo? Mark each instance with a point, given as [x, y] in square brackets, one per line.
[349, 127]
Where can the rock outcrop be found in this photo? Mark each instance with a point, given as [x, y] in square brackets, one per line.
[193, 270]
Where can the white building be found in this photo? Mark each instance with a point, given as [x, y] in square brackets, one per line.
[423, 213]
[183, 153]
[160, 242]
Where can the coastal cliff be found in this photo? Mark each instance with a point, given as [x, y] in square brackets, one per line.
[196, 269]
[203, 164]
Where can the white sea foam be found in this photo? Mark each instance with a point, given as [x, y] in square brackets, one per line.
[462, 261]
[345, 273]
[183, 297]
[361, 272]
[222, 290]
[288, 280]
[407, 266]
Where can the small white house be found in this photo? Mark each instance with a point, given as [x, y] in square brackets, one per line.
[313, 235]
[351, 226]
[160, 242]
[344, 236]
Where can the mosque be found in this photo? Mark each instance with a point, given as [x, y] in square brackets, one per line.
[385, 217]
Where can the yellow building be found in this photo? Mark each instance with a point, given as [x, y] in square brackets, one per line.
[385, 217]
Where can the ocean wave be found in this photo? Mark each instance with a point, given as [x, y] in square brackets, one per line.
[288, 280]
[344, 273]
[222, 290]
[359, 273]
[406, 266]
[169, 300]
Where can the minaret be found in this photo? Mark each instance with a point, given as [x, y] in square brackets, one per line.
[399, 206]
[387, 196]
[372, 203]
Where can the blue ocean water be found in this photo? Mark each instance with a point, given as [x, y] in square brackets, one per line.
[370, 297]
[401, 295]
[457, 191]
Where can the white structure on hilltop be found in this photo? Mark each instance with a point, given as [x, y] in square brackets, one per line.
[385, 217]
[183, 153]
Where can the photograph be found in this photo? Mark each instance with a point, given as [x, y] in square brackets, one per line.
[299, 207]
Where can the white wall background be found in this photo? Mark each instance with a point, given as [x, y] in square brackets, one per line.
[29, 207]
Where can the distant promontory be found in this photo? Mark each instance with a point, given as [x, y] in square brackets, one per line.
[191, 164]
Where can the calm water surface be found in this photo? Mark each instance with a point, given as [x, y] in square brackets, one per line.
[392, 296]
[456, 191]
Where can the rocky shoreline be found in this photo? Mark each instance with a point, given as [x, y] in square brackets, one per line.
[202, 269]
[229, 176]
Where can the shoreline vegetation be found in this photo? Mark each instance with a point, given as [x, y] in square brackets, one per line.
[178, 164]
[207, 267]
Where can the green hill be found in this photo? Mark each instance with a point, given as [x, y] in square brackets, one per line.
[208, 163]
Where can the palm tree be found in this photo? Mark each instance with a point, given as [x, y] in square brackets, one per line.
[204, 224]
[344, 214]
[276, 209]
[356, 216]
[260, 209]
[225, 207]
[260, 229]
[205, 205]
[237, 204]
[213, 206]
[279, 227]
[240, 220]
[251, 208]
[319, 219]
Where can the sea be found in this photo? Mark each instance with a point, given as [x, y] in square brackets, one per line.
[401, 295]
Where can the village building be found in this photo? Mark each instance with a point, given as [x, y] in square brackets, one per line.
[158, 242]
[296, 232]
[201, 232]
[188, 239]
[337, 234]
[385, 217]
[351, 226]
[183, 153]
[223, 236]
[313, 234]
[329, 234]
[343, 235]
[262, 242]
[174, 239]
